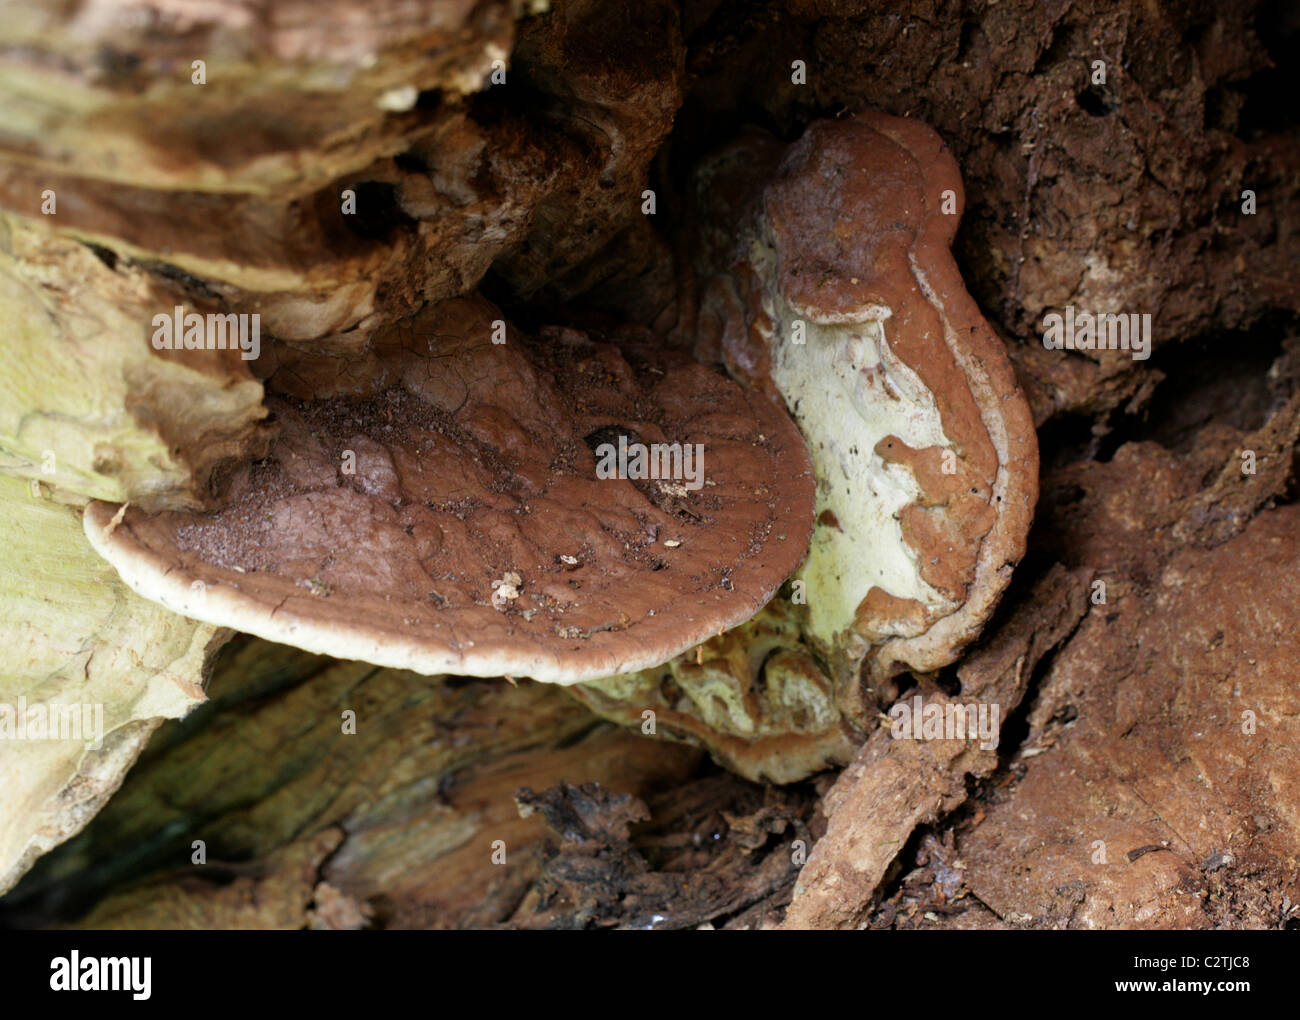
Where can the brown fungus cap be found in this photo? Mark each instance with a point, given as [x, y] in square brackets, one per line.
[443, 513]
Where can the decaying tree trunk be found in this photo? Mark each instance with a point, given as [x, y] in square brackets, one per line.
[336, 167]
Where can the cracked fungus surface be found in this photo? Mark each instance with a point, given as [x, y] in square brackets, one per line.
[450, 519]
[849, 391]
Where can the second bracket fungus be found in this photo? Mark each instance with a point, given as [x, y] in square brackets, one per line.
[925, 449]
[551, 508]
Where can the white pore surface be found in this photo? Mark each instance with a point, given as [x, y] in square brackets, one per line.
[847, 391]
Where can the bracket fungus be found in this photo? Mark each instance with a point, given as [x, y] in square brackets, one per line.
[447, 511]
[925, 448]
[827, 282]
